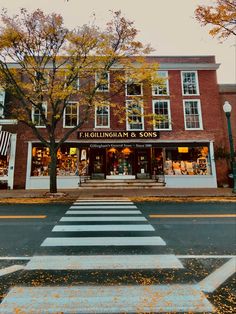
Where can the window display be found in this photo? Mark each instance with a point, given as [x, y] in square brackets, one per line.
[3, 166]
[187, 161]
[71, 161]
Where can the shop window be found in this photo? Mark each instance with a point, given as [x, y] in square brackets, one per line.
[192, 114]
[70, 117]
[162, 88]
[37, 115]
[102, 116]
[189, 83]
[71, 161]
[102, 81]
[162, 118]
[3, 166]
[134, 116]
[187, 161]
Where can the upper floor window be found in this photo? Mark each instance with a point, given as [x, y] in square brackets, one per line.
[2, 103]
[37, 115]
[134, 88]
[102, 81]
[102, 116]
[192, 115]
[162, 88]
[190, 83]
[134, 115]
[162, 117]
[42, 79]
[70, 117]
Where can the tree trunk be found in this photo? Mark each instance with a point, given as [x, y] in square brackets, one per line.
[53, 170]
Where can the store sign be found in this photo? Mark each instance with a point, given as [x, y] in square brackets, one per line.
[118, 135]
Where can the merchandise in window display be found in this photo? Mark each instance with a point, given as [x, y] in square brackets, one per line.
[3, 166]
[197, 165]
[67, 162]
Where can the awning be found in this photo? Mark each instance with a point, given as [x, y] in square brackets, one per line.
[5, 138]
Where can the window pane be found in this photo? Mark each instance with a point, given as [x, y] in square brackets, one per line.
[102, 116]
[189, 83]
[161, 111]
[102, 81]
[71, 115]
[134, 89]
[192, 115]
[161, 89]
[134, 116]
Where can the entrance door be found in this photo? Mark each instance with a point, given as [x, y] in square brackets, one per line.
[143, 161]
[120, 161]
[97, 164]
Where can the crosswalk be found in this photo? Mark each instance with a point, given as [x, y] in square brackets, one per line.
[107, 225]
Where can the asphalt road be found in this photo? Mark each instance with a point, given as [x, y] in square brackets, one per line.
[190, 241]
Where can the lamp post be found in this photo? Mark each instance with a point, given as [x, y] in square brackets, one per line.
[227, 109]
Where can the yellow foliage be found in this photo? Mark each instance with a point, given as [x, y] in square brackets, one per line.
[221, 17]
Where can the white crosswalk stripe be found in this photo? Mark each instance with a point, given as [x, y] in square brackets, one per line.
[106, 299]
[102, 212]
[140, 261]
[89, 228]
[102, 206]
[103, 241]
[104, 218]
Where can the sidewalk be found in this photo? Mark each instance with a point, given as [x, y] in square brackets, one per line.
[165, 194]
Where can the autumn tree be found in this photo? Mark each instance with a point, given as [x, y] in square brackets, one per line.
[221, 17]
[44, 65]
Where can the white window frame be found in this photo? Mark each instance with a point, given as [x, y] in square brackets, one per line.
[154, 101]
[199, 114]
[64, 115]
[102, 126]
[44, 104]
[197, 83]
[157, 86]
[100, 89]
[2, 101]
[127, 118]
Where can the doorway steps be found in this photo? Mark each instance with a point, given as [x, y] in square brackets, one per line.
[121, 184]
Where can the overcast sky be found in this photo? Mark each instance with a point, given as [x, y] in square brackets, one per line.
[168, 25]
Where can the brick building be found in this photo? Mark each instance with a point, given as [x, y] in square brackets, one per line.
[182, 148]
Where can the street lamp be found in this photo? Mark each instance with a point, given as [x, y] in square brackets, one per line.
[227, 109]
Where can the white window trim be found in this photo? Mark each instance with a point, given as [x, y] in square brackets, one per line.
[44, 104]
[99, 126]
[108, 82]
[142, 117]
[2, 99]
[167, 86]
[199, 111]
[197, 83]
[64, 116]
[169, 114]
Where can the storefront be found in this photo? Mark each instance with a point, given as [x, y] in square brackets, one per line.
[124, 155]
